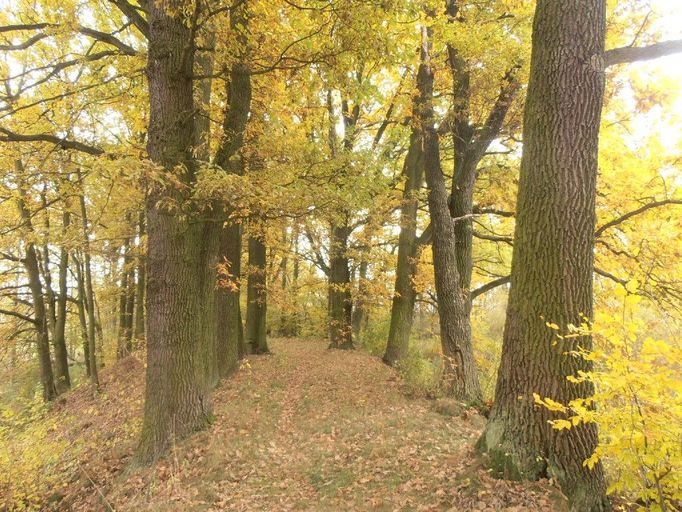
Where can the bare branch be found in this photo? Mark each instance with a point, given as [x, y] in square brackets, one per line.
[629, 215]
[9, 136]
[489, 286]
[628, 54]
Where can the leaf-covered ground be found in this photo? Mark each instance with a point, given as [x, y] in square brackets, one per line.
[305, 428]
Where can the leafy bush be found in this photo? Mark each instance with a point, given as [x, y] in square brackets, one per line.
[637, 405]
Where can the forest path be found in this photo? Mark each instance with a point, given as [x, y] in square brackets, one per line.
[308, 428]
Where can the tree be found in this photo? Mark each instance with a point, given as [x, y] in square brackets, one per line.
[552, 264]
[182, 247]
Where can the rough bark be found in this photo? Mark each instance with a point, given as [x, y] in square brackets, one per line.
[62, 377]
[256, 307]
[552, 263]
[80, 282]
[181, 265]
[460, 374]
[402, 306]
[89, 295]
[230, 331]
[340, 297]
[40, 312]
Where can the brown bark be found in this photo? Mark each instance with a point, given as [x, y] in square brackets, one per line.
[230, 332]
[89, 295]
[552, 264]
[460, 374]
[62, 377]
[256, 297]
[40, 312]
[182, 249]
[340, 297]
[402, 306]
[360, 309]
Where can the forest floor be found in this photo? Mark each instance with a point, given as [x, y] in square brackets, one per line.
[304, 428]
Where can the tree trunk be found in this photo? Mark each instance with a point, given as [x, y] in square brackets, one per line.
[360, 309]
[460, 374]
[39, 310]
[82, 315]
[125, 342]
[340, 297]
[63, 379]
[228, 311]
[182, 249]
[402, 307]
[230, 332]
[552, 264]
[141, 283]
[256, 297]
[89, 294]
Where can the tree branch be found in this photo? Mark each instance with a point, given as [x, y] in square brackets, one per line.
[9, 136]
[133, 14]
[628, 54]
[25, 318]
[629, 215]
[489, 286]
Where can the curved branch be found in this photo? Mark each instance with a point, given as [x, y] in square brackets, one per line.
[629, 215]
[489, 286]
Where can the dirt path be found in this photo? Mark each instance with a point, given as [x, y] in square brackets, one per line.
[307, 428]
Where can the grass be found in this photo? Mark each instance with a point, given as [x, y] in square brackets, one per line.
[306, 428]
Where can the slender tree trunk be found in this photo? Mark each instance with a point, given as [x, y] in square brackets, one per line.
[141, 283]
[360, 312]
[295, 317]
[340, 297]
[63, 379]
[460, 374]
[182, 249]
[124, 335]
[402, 306]
[40, 312]
[82, 315]
[256, 297]
[89, 294]
[552, 264]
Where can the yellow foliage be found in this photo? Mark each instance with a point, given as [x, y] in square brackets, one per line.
[637, 406]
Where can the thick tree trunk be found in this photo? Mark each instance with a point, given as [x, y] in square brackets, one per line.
[402, 307]
[256, 297]
[62, 377]
[552, 264]
[182, 249]
[460, 374]
[340, 297]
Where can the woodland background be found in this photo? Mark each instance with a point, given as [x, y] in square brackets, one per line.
[253, 171]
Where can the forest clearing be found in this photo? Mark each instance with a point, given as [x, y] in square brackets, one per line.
[341, 255]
